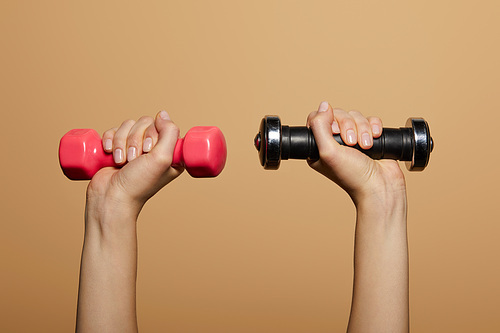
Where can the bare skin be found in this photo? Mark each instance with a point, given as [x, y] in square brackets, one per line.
[115, 197]
[380, 300]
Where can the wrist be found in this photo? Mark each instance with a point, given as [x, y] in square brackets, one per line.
[385, 188]
[111, 214]
[386, 202]
[376, 218]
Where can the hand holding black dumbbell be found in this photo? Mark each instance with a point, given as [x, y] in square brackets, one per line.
[276, 142]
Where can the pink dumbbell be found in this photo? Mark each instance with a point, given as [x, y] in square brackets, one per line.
[202, 152]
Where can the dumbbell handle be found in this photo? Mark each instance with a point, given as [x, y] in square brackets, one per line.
[395, 143]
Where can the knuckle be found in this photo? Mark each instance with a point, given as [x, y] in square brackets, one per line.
[374, 119]
[363, 124]
[356, 114]
[162, 159]
[311, 116]
[172, 128]
[346, 122]
[109, 133]
[327, 155]
[151, 133]
[146, 120]
[119, 136]
[315, 122]
[361, 121]
[343, 117]
[133, 141]
[128, 122]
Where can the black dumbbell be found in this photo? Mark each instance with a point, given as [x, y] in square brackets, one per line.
[276, 142]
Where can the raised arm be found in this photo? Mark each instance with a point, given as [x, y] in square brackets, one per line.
[380, 301]
[115, 197]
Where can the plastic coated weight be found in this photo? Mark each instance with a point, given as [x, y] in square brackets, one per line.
[276, 142]
[202, 152]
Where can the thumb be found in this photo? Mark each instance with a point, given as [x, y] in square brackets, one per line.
[161, 156]
[320, 123]
[168, 134]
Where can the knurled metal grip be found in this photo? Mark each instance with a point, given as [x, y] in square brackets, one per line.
[275, 142]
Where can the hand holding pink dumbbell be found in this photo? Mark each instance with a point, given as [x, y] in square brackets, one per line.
[202, 152]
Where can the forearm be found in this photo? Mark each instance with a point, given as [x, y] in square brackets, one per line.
[115, 196]
[106, 299]
[380, 293]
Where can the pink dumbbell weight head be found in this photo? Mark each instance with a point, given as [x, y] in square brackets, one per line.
[202, 152]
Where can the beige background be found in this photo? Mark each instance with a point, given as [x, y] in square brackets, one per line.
[252, 250]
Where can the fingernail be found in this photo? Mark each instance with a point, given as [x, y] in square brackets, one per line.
[148, 145]
[335, 127]
[118, 155]
[351, 137]
[164, 115]
[376, 129]
[131, 154]
[366, 139]
[323, 107]
[108, 145]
